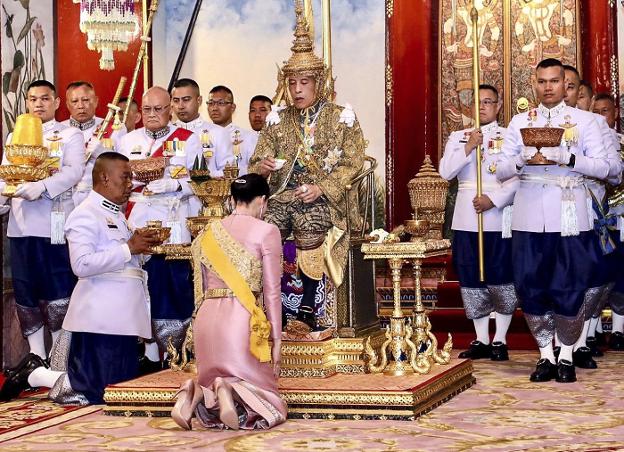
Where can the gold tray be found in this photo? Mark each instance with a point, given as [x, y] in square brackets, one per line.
[14, 175]
[148, 170]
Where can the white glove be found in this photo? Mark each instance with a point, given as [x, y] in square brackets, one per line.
[559, 155]
[30, 190]
[163, 186]
[525, 155]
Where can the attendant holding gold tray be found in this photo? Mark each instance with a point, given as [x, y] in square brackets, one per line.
[553, 250]
[161, 157]
[42, 162]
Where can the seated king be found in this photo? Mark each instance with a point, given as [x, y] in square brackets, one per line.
[310, 151]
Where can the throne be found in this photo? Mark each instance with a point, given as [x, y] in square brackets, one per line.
[348, 312]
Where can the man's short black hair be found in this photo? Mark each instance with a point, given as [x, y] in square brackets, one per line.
[185, 83]
[221, 88]
[104, 158]
[125, 101]
[587, 85]
[604, 96]
[549, 62]
[489, 87]
[260, 98]
[567, 67]
[78, 84]
[39, 83]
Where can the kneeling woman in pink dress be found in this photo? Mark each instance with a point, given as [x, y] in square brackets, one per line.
[238, 267]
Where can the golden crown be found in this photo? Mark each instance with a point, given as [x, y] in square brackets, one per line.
[303, 61]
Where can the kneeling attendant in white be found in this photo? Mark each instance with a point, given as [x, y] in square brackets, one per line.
[109, 308]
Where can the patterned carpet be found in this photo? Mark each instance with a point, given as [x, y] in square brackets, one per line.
[502, 412]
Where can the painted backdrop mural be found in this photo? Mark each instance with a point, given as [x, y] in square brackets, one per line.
[27, 53]
[239, 42]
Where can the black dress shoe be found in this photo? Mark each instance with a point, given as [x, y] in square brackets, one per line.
[592, 343]
[583, 358]
[18, 381]
[616, 341]
[477, 350]
[499, 352]
[147, 366]
[544, 371]
[25, 360]
[556, 351]
[565, 372]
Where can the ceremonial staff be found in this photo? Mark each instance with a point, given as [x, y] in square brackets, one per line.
[145, 38]
[112, 111]
[474, 16]
[112, 108]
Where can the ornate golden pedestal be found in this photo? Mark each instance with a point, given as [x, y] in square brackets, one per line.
[409, 346]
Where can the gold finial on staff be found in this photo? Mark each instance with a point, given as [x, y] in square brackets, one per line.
[308, 13]
[144, 40]
[476, 77]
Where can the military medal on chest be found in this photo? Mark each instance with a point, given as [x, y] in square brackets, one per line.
[55, 146]
[570, 134]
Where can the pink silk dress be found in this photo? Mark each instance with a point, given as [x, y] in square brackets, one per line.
[221, 328]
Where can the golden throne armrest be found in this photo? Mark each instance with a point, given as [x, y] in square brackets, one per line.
[367, 177]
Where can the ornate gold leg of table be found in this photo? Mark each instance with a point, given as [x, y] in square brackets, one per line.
[397, 335]
[422, 336]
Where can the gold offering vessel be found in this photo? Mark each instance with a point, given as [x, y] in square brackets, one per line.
[213, 194]
[26, 153]
[149, 169]
[428, 191]
[541, 137]
[163, 232]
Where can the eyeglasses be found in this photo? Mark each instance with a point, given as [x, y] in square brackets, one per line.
[157, 109]
[488, 102]
[218, 103]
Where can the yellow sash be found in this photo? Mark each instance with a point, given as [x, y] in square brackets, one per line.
[259, 326]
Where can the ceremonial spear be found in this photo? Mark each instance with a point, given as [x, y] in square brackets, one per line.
[144, 39]
[474, 16]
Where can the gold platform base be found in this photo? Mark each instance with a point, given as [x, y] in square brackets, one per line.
[342, 396]
[322, 359]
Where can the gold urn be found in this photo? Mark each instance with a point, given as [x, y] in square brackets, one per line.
[26, 154]
[427, 192]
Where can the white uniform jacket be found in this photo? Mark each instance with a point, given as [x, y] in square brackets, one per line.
[247, 145]
[111, 294]
[538, 200]
[214, 139]
[455, 163]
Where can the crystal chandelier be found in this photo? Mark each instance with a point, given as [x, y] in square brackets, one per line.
[110, 25]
